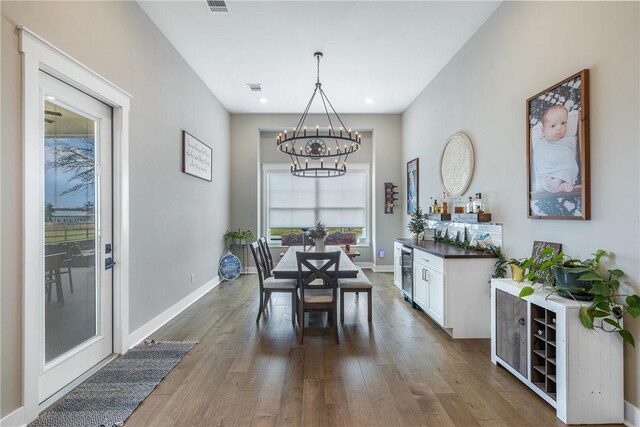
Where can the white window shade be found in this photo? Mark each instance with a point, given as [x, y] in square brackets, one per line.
[300, 202]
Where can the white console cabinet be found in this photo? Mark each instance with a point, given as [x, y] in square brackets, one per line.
[541, 341]
[454, 292]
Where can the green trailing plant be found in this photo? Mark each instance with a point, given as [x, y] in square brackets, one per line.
[319, 231]
[500, 271]
[417, 223]
[242, 235]
[606, 309]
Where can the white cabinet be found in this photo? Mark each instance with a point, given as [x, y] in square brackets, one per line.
[435, 298]
[454, 292]
[541, 342]
[397, 264]
[420, 285]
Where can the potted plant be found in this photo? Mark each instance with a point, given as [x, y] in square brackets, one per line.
[238, 237]
[417, 224]
[518, 268]
[318, 233]
[609, 304]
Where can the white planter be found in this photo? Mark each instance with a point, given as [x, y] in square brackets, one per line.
[319, 245]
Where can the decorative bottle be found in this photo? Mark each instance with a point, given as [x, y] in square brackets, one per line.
[445, 203]
[436, 207]
[469, 207]
[478, 207]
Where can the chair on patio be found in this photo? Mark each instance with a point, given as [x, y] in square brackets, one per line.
[322, 295]
[269, 284]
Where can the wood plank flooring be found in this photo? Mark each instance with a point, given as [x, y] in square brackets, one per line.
[401, 370]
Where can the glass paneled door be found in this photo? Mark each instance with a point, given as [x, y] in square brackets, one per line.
[77, 279]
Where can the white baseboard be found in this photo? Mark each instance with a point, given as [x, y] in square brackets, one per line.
[157, 322]
[365, 265]
[631, 415]
[383, 268]
[14, 419]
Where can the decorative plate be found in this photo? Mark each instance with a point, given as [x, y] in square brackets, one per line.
[230, 267]
[456, 164]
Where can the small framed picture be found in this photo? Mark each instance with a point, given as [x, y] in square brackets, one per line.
[412, 185]
[197, 157]
[558, 150]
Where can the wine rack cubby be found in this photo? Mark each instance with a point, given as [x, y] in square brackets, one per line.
[543, 350]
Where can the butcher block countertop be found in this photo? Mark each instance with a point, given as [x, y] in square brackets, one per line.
[442, 250]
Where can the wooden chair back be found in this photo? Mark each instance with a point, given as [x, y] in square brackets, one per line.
[262, 241]
[320, 265]
[261, 266]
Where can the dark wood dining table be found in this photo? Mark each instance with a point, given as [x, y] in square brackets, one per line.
[287, 268]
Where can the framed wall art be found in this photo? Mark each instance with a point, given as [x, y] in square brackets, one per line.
[412, 185]
[197, 157]
[558, 150]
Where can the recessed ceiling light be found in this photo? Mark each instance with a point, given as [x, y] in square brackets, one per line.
[263, 100]
[369, 100]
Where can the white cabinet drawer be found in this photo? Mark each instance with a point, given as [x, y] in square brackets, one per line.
[428, 260]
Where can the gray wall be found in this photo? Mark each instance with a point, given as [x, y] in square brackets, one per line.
[247, 146]
[522, 49]
[176, 221]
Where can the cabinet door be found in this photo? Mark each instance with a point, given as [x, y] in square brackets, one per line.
[397, 265]
[435, 297]
[511, 330]
[419, 286]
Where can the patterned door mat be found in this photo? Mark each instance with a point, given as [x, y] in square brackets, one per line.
[110, 396]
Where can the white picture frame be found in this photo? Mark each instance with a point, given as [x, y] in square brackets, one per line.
[197, 157]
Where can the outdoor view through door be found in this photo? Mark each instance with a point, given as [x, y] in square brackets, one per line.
[77, 214]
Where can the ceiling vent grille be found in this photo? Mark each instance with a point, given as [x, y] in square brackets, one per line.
[255, 87]
[217, 6]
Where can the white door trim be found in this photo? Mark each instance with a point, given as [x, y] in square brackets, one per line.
[38, 54]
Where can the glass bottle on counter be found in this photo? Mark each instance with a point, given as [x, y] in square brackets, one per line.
[445, 203]
[469, 207]
[458, 205]
[436, 207]
[478, 206]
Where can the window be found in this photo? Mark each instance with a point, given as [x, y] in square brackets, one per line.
[292, 203]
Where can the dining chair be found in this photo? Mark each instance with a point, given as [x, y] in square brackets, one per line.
[358, 284]
[262, 241]
[269, 284]
[318, 286]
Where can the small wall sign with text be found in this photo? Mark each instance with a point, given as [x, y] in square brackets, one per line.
[197, 157]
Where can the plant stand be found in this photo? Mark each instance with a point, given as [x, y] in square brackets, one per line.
[240, 248]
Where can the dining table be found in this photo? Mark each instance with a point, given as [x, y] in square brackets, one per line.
[287, 268]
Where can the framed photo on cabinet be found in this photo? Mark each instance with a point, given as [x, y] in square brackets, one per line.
[558, 150]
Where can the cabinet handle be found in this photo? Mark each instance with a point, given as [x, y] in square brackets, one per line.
[521, 321]
[426, 260]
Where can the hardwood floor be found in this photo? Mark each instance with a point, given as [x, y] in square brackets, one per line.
[400, 370]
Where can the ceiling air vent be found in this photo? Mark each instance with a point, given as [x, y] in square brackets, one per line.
[255, 87]
[217, 6]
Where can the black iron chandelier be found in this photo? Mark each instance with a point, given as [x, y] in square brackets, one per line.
[319, 152]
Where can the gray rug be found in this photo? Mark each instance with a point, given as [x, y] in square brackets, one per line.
[113, 393]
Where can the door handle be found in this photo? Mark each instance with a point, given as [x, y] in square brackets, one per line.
[108, 263]
[521, 321]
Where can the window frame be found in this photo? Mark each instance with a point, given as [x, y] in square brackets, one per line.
[268, 168]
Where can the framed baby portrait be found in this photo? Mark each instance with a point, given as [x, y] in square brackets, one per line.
[412, 185]
[558, 150]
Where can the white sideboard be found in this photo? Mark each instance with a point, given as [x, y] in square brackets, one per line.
[541, 341]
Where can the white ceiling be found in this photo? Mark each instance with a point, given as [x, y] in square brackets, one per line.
[388, 50]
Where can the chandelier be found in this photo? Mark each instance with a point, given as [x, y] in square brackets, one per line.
[319, 152]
